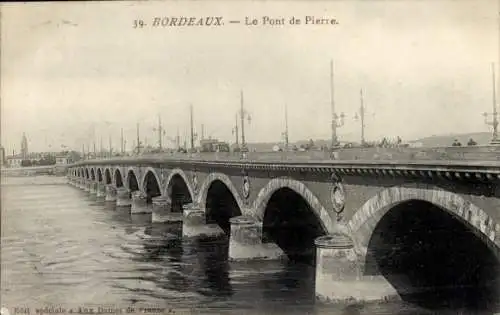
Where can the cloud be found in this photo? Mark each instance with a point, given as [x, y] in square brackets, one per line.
[422, 72]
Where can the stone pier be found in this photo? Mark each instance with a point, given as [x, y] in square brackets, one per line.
[245, 241]
[86, 186]
[93, 189]
[110, 193]
[162, 211]
[139, 203]
[194, 223]
[339, 274]
[101, 191]
[123, 197]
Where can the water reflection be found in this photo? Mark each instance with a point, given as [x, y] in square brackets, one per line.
[212, 258]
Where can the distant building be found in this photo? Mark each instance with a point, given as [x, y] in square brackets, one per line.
[14, 160]
[24, 147]
[62, 159]
[3, 161]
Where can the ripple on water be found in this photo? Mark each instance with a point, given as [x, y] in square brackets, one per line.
[59, 247]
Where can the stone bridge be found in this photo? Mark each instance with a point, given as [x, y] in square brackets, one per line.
[375, 229]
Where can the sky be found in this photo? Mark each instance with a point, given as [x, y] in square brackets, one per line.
[70, 68]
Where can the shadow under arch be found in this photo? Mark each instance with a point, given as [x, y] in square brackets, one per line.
[118, 178]
[87, 173]
[107, 176]
[178, 191]
[433, 257]
[275, 184]
[221, 205]
[92, 174]
[151, 186]
[99, 175]
[132, 181]
[207, 183]
[291, 223]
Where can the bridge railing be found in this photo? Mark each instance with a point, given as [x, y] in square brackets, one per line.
[487, 153]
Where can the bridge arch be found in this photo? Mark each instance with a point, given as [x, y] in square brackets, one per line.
[132, 181]
[177, 172]
[92, 173]
[178, 188]
[220, 201]
[118, 178]
[292, 217]
[298, 187]
[99, 175]
[442, 243]
[148, 172]
[366, 218]
[205, 186]
[151, 184]
[87, 176]
[107, 176]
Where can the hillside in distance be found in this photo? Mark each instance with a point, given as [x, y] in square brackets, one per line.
[482, 138]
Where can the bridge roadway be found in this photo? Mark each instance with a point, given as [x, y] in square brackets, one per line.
[439, 220]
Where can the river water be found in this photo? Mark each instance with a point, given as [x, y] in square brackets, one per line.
[59, 249]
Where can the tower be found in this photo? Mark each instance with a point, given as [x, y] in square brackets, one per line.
[24, 147]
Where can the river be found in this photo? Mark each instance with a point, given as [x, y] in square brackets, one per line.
[59, 249]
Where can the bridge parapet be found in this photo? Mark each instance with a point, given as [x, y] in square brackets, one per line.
[476, 153]
[451, 170]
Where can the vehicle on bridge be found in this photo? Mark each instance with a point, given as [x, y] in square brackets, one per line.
[213, 145]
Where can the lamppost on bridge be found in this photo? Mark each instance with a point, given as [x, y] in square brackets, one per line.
[101, 147]
[110, 147]
[235, 132]
[494, 115]
[337, 120]
[93, 136]
[122, 146]
[161, 132]
[138, 143]
[285, 133]
[243, 114]
[193, 134]
[361, 116]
